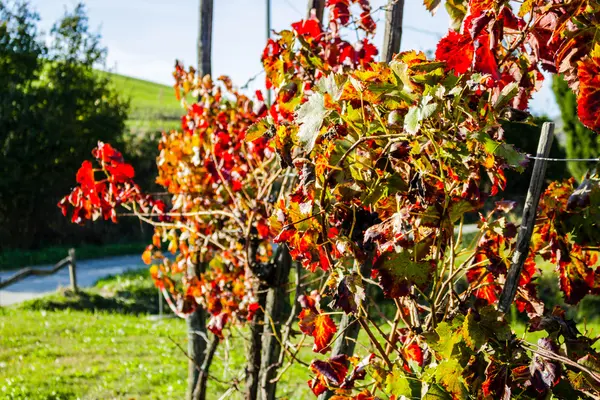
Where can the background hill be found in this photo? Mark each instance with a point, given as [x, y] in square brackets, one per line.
[153, 105]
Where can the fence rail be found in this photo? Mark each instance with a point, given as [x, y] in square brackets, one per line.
[69, 261]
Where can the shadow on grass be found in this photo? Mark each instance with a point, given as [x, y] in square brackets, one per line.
[130, 293]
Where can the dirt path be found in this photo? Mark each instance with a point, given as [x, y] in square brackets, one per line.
[88, 272]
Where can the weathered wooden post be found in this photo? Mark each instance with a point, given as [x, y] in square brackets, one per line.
[318, 6]
[73, 270]
[529, 212]
[205, 37]
[276, 303]
[393, 29]
[196, 321]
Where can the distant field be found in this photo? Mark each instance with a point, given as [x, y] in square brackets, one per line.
[153, 105]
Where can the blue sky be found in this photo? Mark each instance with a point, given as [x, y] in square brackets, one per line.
[144, 37]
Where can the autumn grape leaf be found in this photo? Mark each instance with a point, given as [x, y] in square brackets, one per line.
[310, 116]
[147, 255]
[545, 373]
[511, 156]
[257, 130]
[473, 335]
[320, 326]
[416, 114]
[432, 5]
[399, 385]
[397, 272]
[457, 50]
[588, 100]
[449, 375]
[526, 7]
[332, 371]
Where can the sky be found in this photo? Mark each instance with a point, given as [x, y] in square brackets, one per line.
[145, 37]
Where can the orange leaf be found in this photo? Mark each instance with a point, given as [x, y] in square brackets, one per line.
[147, 255]
[320, 326]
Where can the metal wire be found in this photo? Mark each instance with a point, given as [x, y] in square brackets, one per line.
[564, 159]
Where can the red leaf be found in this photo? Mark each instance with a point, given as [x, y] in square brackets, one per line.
[319, 326]
[332, 371]
[85, 175]
[309, 27]
[457, 51]
[368, 52]
[588, 101]
[414, 352]
[485, 61]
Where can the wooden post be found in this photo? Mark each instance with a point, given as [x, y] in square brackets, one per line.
[319, 7]
[529, 212]
[196, 321]
[276, 303]
[73, 270]
[392, 36]
[268, 21]
[253, 355]
[205, 37]
[200, 391]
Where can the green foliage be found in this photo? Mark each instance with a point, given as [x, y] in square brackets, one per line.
[581, 142]
[53, 108]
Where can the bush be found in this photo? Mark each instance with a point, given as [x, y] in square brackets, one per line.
[53, 108]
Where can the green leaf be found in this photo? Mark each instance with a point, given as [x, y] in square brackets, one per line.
[436, 392]
[472, 333]
[432, 5]
[507, 152]
[397, 272]
[311, 115]
[416, 114]
[494, 323]
[508, 92]
[457, 9]
[257, 130]
[449, 375]
[398, 384]
[412, 121]
[445, 338]
[332, 84]
[459, 209]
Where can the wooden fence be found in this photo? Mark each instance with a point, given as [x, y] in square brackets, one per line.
[69, 261]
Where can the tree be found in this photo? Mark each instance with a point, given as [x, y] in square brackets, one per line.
[52, 102]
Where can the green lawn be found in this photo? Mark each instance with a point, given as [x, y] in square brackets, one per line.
[153, 105]
[110, 349]
[105, 351]
[68, 355]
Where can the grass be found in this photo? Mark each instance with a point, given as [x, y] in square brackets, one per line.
[99, 344]
[153, 105]
[130, 293]
[12, 259]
